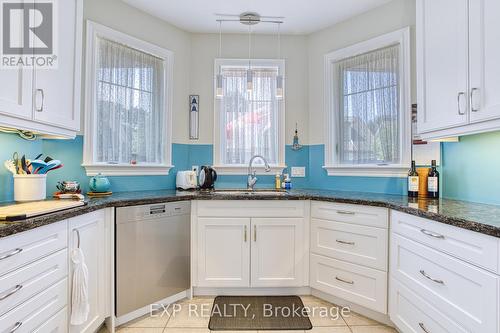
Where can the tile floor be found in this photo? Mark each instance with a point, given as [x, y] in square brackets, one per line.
[183, 323]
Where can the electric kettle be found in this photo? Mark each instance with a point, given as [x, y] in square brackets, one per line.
[207, 178]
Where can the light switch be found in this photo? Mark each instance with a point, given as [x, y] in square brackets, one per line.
[298, 172]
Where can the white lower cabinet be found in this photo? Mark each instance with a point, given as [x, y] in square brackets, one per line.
[254, 249]
[89, 233]
[277, 252]
[223, 252]
[357, 284]
[465, 297]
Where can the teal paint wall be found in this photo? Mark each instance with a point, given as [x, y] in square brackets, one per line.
[471, 168]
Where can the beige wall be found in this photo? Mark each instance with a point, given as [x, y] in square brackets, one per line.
[122, 17]
[390, 17]
[204, 50]
[195, 54]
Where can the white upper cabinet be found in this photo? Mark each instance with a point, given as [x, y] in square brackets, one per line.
[458, 73]
[442, 81]
[484, 43]
[46, 100]
[56, 91]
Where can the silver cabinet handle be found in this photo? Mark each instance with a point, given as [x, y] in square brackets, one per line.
[16, 326]
[472, 99]
[345, 212]
[11, 292]
[344, 242]
[460, 94]
[422, 326]
[342, 280]
[430, 278]
[254, 233]
[11, 253]
[431, 234]
[245, 234]
[40, 109]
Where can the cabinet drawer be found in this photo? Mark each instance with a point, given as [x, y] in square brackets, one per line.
[360, 285]
[19, 250]
[251, 208]
[357, 214]
[465, 293]
[473, 247]
[35, 312]
[412, 314]
[58, 323]
[357, 244]
[22, 284]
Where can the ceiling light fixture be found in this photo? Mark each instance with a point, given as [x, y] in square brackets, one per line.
[249, 70]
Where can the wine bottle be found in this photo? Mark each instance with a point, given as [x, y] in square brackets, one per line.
[433, 181]
[413, 181]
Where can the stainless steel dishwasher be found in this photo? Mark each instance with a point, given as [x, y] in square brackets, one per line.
[152, 254]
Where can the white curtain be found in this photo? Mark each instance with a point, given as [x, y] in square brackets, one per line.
[129, 105]
[369, 124]
[249, 121]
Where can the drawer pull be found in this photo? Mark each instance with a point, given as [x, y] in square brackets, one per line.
[16, 327]
[245, 234]
[342, 280]
[431, 234]
[430, 278]
[422, 326]
[345, 212]
[11, 292]
[11, 253]
[344, 242]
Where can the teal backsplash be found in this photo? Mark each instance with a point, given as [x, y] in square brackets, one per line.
[471, 168]
[461, 161]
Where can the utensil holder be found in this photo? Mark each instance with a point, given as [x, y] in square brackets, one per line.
[30, 187]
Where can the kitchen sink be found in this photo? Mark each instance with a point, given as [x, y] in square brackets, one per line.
[250, 192]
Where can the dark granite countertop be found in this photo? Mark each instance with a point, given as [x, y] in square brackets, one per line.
[467, 215]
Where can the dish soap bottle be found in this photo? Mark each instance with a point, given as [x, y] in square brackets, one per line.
[277, 181]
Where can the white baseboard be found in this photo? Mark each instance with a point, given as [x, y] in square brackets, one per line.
[209, 291]
[380, 317]
[145, 310]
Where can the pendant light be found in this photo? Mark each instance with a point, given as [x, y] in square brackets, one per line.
[219, 84]
[279, 77]
[249, 70]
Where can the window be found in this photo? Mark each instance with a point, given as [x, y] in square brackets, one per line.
[127, 130]
[249, 122]
[368, 109]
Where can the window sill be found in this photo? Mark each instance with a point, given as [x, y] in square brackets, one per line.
[399, 171]
[127, 169]
[243, 169]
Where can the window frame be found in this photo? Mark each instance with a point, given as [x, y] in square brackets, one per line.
[95, 30]
[332, 163]
[241, 169]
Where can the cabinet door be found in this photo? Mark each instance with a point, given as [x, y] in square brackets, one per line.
[224, 252]
[442, 62]
[484, 59]
[15, 92]
[90, 229]
[277, 252]
[56, 90]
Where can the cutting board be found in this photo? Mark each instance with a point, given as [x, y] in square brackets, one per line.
[30, 209]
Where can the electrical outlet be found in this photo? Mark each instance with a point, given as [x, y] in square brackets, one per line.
[195, 168]
[298, 172]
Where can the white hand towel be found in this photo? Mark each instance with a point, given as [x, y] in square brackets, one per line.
[80, 307]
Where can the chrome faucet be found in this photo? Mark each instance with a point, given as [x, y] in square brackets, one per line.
[252, 178]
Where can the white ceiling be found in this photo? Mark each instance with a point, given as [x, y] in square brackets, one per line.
[301, 16]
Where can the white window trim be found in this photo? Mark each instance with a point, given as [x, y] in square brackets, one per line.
[243, 169]
[95, 30]
[332, 165]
